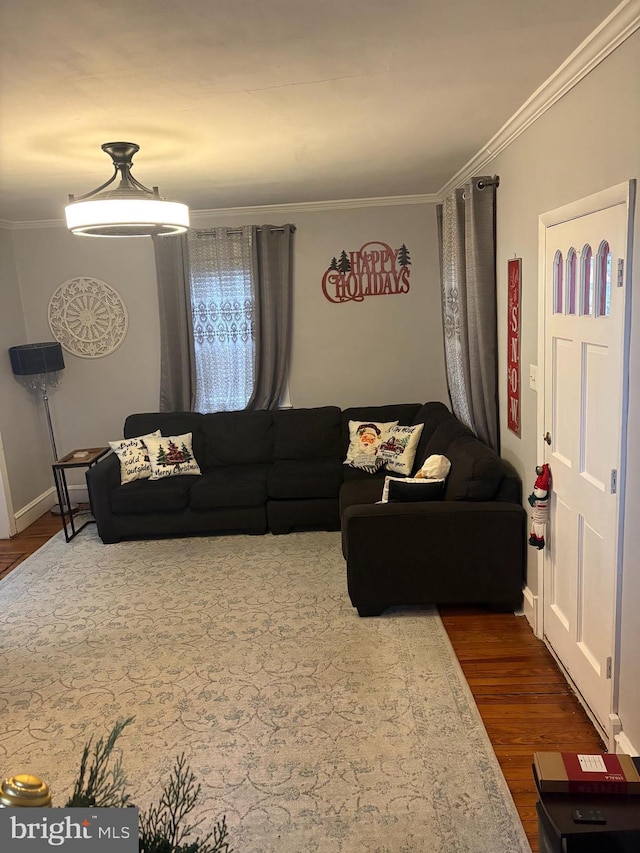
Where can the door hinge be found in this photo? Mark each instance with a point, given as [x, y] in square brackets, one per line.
[620, 281]
[614, 481]
[608, 667]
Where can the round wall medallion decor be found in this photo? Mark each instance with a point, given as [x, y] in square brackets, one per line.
[88, 317]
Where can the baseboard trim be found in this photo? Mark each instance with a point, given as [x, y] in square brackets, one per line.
[624, 746]
[32, 511]
[43, 503]
[530, 607]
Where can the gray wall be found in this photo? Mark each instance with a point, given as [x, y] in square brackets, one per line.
[26, 445]
[384, 349]
[588, 141]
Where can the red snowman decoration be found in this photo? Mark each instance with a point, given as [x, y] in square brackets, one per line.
[539, 500]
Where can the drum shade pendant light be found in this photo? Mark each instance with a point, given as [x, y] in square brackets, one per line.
[128, 210]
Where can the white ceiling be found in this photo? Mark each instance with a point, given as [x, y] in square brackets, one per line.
[260, 102]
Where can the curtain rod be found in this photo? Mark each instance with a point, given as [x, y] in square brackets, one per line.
[492, 182]
[213, 231]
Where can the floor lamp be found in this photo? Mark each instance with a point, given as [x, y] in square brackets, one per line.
[38, 366]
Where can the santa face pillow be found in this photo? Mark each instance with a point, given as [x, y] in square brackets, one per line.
[365, 438]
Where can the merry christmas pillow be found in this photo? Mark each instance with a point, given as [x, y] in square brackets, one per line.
[365, 437]
[134, 457]
[171, 456]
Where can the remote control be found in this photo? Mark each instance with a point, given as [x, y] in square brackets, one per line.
[588, 816]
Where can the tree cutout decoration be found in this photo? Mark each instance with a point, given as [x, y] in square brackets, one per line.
[334, 264]
[344, 264]
[404, 259]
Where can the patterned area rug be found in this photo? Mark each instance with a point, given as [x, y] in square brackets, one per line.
[312, 730]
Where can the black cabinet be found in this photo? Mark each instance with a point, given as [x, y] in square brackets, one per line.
[561, 831]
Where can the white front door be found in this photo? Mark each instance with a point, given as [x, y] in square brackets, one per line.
[583, 404]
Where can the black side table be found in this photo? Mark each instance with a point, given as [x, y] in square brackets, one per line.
[84, 457]
[559, 832]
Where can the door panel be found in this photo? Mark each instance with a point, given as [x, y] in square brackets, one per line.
[583, 405]
[564, 368]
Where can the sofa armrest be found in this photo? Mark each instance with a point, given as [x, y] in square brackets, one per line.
[448, 551]
[102, 479]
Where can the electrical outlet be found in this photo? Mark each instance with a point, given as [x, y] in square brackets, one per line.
[533, 377]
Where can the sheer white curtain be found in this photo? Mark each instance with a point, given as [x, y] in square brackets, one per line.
[466, 222]
[225, 299]
[222, 312]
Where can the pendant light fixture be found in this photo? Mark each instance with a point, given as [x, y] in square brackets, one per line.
[128, 210]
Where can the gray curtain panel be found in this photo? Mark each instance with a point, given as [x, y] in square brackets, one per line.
[273, 281]
[177, 368]
[467, 242]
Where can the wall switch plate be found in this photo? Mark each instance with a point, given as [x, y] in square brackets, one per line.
[533, 377]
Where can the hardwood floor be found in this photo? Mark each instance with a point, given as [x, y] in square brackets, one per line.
[524, 701]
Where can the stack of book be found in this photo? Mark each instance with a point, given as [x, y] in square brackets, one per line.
[570, 772]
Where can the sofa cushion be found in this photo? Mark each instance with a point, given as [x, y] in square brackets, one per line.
[444, 434]
[355, 492]
[307, 433]
[305, 478]
[431, 415]
[230, 486]
[349, 473]
[233, 438]
[169, 423]
[152, 496]
[476, 471]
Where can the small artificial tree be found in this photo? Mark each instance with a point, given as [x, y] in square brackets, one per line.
[162, 827]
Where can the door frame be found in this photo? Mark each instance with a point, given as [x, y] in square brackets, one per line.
[8, 526]
[623, 193]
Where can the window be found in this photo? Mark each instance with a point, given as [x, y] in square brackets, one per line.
[571, 281]
[586, 281]
[603, 280]
[557, 283]
[222, 305]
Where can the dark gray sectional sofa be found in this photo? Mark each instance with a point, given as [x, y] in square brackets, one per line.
[283, 470]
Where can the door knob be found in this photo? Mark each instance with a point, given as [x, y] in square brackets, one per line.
[547, 437]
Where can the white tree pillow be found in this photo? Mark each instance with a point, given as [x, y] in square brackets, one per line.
[171, 456]
[398, 449]
[134, 457]
[365, 437]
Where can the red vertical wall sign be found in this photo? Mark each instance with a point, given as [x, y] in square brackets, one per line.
[513, 344]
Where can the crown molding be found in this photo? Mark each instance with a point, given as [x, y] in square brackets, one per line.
[35, 223]
[317, 206]
[612, 32]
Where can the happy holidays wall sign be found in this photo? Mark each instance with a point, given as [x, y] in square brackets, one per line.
[373, 270]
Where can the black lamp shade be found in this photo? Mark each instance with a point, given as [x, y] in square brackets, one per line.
[28, 359]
